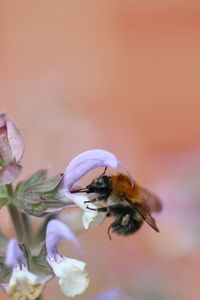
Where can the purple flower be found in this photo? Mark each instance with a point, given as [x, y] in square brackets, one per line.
[72, 277]
[77, 168]
[11, 150]
[22, 284]
[87, 161]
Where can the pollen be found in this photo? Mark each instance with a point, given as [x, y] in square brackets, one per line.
[22, 288]
[125, 220]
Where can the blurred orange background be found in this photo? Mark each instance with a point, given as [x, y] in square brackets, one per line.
[121, 76]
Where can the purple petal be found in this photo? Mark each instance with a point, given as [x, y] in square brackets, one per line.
[9, 173]
[14, 255]
[56, 231]
[15, 140]
[2, 120]
[5, 149]
[109, 294]
[113, 294]
[85, 162]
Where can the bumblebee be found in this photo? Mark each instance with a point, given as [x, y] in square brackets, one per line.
[129, 203]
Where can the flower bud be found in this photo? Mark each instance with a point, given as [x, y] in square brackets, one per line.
[11, 150]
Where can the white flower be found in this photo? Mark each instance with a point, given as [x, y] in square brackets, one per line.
[23, 284]
[72, 277]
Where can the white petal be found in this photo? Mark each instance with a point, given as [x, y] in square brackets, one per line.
[90, 217]
[24, 285]
[79, 199]
[73, 279]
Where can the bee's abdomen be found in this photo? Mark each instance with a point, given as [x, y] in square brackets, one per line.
[128, 226]
[127, 220]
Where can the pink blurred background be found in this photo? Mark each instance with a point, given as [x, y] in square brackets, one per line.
[122, 76]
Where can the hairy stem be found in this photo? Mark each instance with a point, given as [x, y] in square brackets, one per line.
[16, 220]
[14, 214]
[39, 297]
[27, 228]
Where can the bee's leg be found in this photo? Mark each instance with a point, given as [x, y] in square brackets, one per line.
[111, 210]
[91, 201]
[115, 210]
[109, 231]
[115, 224]
[99, 198]
[99, 209]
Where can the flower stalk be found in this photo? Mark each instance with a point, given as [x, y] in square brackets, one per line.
[15, 215]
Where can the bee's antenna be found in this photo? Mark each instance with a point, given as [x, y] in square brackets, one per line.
[109, 232]
[104, 172]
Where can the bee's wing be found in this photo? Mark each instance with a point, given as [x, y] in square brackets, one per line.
[145, 214]
[146, 202]
[150, 199]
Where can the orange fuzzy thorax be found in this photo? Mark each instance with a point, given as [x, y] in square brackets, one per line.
[122, 187]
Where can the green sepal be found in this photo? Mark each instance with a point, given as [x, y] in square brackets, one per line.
[38, 195]
[3, 243]
[3, 196]
[3, 192]
[3, 201]
[39, 265]
[5, 272]
[27, 254]
[46, 186]
[40, 258]
[37, 178]
[36, 258]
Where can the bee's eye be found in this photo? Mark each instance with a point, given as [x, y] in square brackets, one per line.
[103, 182]
[99, 185]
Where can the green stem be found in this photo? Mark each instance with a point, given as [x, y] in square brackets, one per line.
[9, 191]
[16, 220]
[39, 297]
[27, 229]
[14, 214]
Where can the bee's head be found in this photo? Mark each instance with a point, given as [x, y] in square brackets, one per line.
[99, 185]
